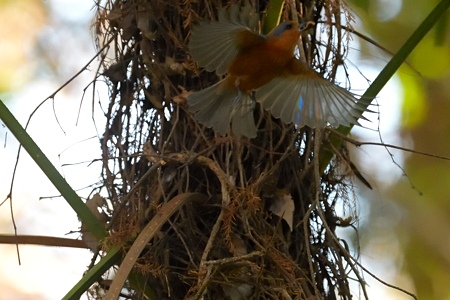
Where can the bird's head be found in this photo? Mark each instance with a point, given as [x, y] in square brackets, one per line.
[285, 36]
[290, 28]
[286, 28]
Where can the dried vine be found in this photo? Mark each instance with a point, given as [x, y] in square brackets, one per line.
[235, 244]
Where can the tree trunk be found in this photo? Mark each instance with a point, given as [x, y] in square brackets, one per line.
[267, 227]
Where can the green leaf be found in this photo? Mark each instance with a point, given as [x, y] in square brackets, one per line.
[93, 274]
[272, 19]
[384, 76]
[83, 212]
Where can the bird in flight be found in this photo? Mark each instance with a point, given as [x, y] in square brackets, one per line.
[262, 68]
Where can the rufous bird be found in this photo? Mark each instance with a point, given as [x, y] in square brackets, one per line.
[262, 68]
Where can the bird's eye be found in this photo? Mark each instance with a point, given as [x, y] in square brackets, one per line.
[288, 26]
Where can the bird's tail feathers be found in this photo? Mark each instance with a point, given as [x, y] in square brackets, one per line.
[219, 105]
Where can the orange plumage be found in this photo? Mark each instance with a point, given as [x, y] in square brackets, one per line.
[287, 87]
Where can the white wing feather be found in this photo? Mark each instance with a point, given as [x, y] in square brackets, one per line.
[314, 102]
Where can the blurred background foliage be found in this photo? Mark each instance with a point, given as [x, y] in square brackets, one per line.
[40, 41]
[21, 23]
[412, 216]
[42, 45]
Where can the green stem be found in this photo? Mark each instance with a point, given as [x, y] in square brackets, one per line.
[94, 274]
[83, 212]
[397, 60]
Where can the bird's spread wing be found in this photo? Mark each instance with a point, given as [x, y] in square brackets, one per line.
[309, 100]
[215, 45]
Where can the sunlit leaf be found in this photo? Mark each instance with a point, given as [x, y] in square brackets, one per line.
[414, 108]
[438, 66]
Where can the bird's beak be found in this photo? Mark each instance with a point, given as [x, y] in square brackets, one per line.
[306, 25]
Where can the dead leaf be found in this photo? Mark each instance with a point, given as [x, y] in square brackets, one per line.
[94, 204]
[283, 206]
[181, 98]
[173, 67]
